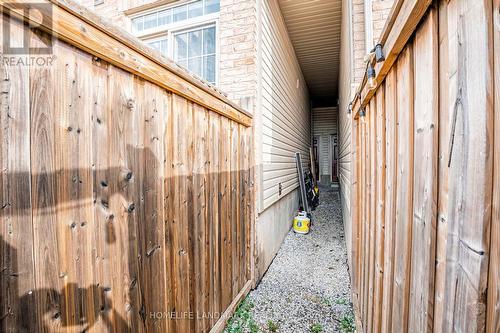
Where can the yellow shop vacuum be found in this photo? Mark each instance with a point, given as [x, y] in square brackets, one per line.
[301, 223]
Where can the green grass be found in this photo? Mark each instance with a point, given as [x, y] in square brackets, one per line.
[316, 328]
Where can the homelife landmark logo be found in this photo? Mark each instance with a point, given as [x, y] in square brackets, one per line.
[23, 42]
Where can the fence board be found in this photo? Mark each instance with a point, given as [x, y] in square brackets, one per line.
[493, 307]
[391, 120]
[404, 209]
[16, 229]
[366, 222]
[380, 208]
[43, 169]
[425, 175]
[372, 167]
[105, 234]
[443, 172]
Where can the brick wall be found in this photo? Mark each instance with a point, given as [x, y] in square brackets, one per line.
[238, 51]
[380, 12]
[358, 39]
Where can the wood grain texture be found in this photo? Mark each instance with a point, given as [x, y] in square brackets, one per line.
[493, 306]
[425, 167]
[380, 209]
[443, 170]
[17, 276]
[121, 210]
[372, 167]
[391, 119]
[354, 202]
[404, 199]
[440, 234]
[470, 162]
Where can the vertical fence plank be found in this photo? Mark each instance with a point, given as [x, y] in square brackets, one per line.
[125, 173]
[354, 203]
[151, 106]
[43, 190]
[391, 119]
[380, 208]
[234, 209]
[17, 278]
[366, 222]
[181, 115]
[493, 308]
[425, 175]
[404, 195]
[470, 162]
[362, 214]
[242, 209]
[104, 234]
[373, 204]
[189, 232]
[443, 178]
[225, 212]
[74, 183]
[170, 140]
[199, 223]
[215, 234]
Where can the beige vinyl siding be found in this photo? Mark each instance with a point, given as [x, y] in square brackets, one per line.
[351, 68]
[324, 124]
[284, 104]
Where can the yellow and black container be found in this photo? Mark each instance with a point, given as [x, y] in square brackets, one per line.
[301, 223]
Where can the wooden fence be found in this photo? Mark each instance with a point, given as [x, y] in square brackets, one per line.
[126, 186]
[425, 194]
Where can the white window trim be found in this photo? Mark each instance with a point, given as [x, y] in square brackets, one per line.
[187, 25]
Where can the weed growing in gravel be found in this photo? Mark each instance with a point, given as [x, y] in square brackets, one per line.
[242, 321]
[272, 326]
[341, 301]
[347, 324]
[316, 328]
[326, 302]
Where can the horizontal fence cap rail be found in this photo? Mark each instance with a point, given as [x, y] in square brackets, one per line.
[80, 27]
[403, 19]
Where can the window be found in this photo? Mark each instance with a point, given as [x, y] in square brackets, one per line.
[187, 33]
[161, 18]
[160, 44]
[195, 50]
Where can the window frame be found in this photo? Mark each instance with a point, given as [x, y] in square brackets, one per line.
[188, 25]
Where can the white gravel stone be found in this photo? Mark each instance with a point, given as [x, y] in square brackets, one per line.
[308, 281]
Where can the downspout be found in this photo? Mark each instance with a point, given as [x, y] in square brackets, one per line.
[368, 25]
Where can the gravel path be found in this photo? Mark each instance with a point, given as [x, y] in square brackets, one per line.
[306, 288]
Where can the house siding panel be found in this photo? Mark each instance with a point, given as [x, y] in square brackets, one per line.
[285, 107]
